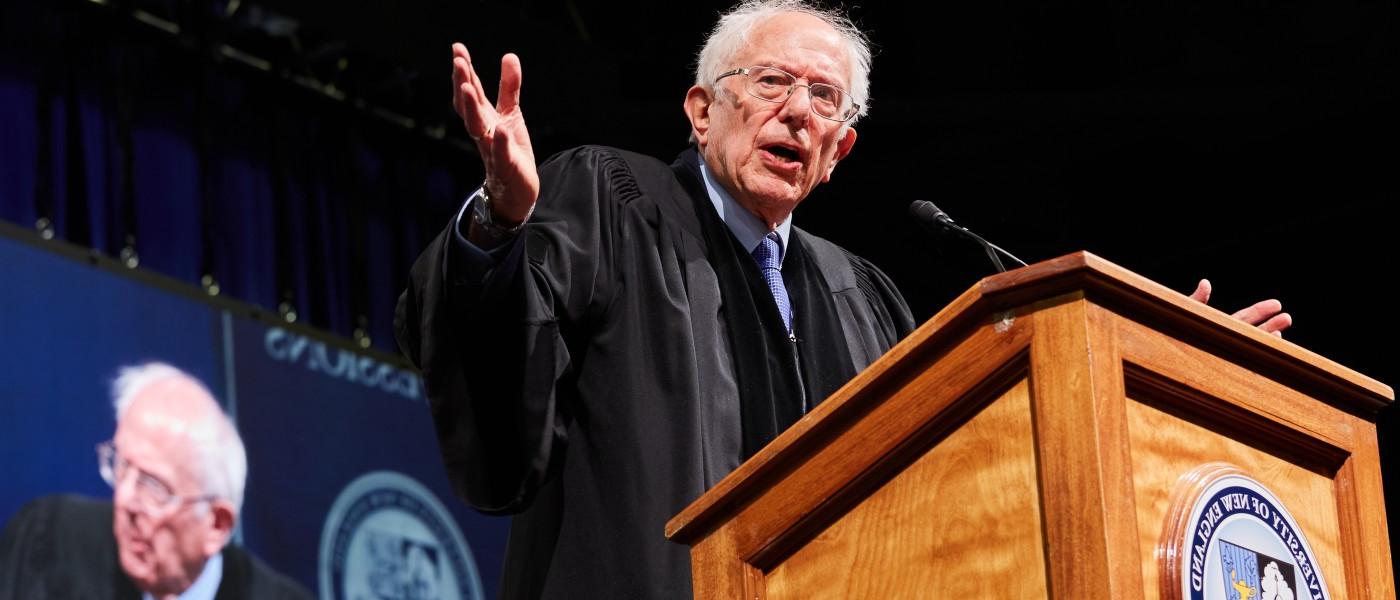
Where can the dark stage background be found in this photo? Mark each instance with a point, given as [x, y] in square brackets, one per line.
[1248, 141]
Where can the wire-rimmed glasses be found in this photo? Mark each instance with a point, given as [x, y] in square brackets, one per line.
[772, 84]
[151, 495]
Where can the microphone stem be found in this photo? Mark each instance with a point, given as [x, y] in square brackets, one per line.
[1008, 254]
[987, 246]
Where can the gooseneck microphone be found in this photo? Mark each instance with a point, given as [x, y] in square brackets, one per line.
[933, 217]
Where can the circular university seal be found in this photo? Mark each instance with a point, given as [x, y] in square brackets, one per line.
[387, 537]
[1228, 537]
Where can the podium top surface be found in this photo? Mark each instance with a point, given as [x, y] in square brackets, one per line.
[1130, 293]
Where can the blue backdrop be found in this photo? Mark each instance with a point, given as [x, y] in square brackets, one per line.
[316, 414]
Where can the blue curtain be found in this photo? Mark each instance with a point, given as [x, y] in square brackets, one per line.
[121, 136]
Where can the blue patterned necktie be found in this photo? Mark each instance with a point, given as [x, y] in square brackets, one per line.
[768, 254]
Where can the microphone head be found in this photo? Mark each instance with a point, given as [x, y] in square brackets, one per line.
[925, 212]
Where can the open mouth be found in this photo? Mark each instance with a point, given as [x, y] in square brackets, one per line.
[784, 155]
[784, 152]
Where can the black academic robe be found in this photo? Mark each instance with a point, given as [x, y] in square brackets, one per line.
[61, 547]
[617, 359]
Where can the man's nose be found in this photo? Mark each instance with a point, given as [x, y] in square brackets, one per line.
[798, 106]
[129, 507]
[124, 490]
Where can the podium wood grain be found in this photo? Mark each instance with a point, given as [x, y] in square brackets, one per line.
[902, 542]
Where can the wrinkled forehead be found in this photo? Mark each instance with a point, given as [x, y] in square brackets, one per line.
[800, 44]
[174, 405]
[157, 430]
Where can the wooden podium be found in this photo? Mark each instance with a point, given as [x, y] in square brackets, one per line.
[1026, 442]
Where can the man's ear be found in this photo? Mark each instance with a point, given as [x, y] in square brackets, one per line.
[843, 147]
[221, 517]
[697, 108]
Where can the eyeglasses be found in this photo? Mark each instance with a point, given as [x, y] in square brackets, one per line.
[152, 495]
[772, 84]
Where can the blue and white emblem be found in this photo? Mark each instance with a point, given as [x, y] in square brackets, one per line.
[1249, 574]
[388, 538]
[1238, 542]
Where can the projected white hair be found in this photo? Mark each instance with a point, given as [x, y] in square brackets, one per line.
[731, 33]
[220, 459]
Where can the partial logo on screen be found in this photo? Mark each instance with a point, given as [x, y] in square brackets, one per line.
[1234, 540]
[388, 538]
[339, 363]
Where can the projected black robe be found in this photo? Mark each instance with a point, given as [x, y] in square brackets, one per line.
[62, 547]
[617, 359]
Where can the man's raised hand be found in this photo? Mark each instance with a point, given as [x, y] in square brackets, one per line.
[501, 138]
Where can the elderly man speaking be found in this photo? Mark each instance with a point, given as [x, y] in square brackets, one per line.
[606, 336]
[177, 469]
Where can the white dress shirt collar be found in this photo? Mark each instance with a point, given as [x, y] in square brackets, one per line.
[206, 585]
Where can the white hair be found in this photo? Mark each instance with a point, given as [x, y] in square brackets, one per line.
[731, 33]
[220, 459]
